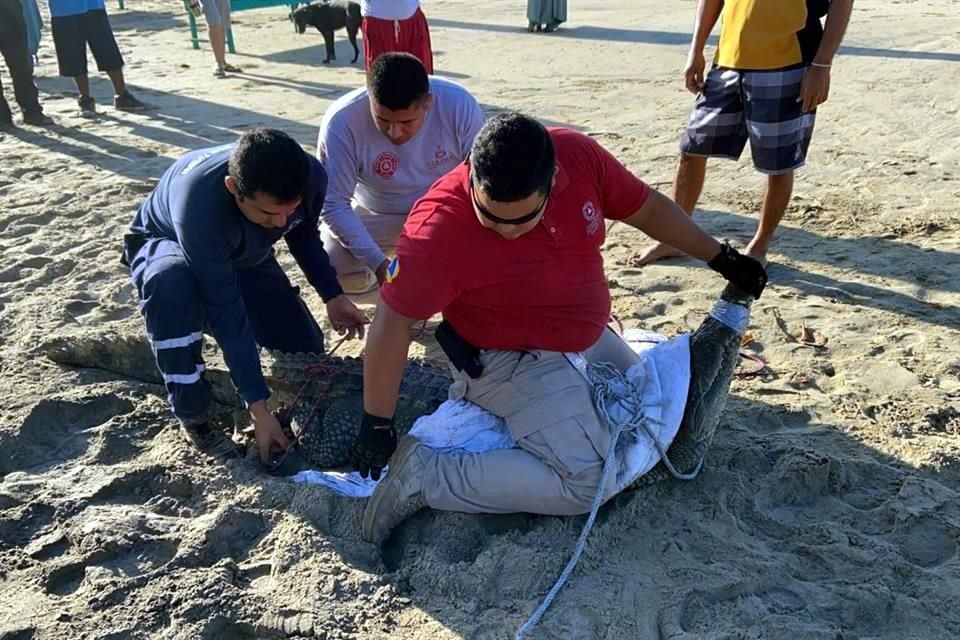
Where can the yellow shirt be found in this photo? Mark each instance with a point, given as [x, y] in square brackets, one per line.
[767, 34]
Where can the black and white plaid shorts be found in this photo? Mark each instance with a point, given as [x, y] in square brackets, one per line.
[757, 105]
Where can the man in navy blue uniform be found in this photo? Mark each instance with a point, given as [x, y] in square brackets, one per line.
[200, 252]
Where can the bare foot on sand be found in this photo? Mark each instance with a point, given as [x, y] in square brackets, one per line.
[655, 252]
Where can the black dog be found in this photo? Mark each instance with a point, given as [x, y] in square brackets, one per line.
[327, 17]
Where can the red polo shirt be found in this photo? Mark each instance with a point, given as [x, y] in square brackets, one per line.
[544, 290]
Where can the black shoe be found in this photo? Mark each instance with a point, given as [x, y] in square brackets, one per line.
[88, 107]
[37, 119]
[214, 443]
[127, 102]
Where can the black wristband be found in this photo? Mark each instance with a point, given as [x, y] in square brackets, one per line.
[726, 255]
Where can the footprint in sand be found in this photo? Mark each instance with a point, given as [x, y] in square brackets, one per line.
[138, 559]
[40, 219]
[19, 525]
[56, 430]
[36, 249]
[732, 607]
[48, 546]
[110, 543]
[77, 308]
[928, 542]
[124, 438]
[153, 486]
[14, 273]
[65, 580]
[775, 420]
[802, 476]
[63, 198]
[233, 534]
[19, 633]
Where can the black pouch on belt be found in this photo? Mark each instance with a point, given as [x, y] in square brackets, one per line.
[463, 355]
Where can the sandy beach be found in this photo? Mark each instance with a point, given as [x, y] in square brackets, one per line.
[829, 507]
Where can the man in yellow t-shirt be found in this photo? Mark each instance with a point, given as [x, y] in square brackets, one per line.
[771, 71]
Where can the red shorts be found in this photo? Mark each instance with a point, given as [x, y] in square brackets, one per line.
[410, 36]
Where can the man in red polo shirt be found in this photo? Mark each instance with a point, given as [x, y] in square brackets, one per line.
[507, 246]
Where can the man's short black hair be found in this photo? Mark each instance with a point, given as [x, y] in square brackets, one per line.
[512, 158]
[397, 81]
[270, 161]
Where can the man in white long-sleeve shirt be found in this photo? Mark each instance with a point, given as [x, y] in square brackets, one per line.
[382, 147]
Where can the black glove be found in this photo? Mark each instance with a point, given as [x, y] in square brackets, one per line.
[743, 271]
[375, 443]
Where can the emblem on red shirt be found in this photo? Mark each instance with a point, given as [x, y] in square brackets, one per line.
[386, 165]
[592, 216]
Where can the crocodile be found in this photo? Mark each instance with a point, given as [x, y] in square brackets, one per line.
[324, 392]
[321, 394]
[714, 354]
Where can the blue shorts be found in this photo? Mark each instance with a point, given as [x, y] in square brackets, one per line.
[759, 106]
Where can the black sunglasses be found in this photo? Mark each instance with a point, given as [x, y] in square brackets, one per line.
[514, 221]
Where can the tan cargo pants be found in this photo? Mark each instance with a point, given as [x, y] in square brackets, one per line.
[548, 407]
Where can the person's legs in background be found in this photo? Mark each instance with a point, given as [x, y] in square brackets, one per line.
[717, 129]
[15, 50]
[99, 35]
[775, 201]
[71, 47]
[780, 134]
[217, 13]
[416, 39]
[6, 117]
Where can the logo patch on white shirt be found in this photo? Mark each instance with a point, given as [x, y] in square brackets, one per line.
[386, 165]
[440, 157]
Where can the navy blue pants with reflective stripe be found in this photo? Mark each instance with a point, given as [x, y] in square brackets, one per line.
[173, 314]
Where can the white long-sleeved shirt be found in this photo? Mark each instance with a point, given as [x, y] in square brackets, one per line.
[389, 9]
[362, 164]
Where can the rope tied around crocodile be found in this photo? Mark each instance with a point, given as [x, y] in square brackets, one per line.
[610, 387]
[316, 372]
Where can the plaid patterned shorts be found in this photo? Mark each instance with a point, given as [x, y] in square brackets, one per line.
[757, 105]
